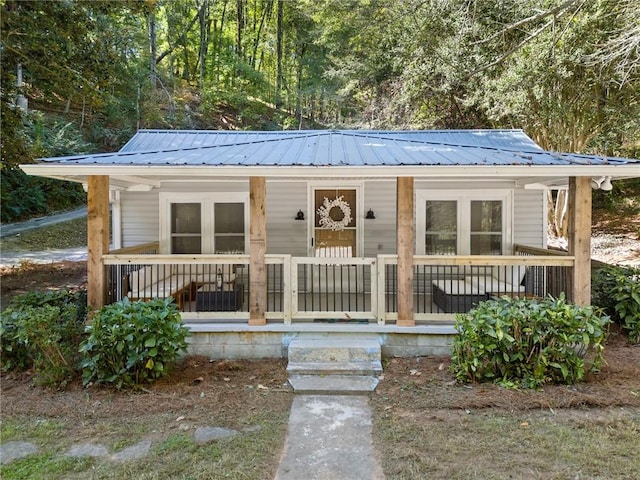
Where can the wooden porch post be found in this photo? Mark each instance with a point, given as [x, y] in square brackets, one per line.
[405, 247]
[97, 238]
[257, 250]
[580, 238]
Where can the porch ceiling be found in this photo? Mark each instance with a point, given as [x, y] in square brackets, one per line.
[152, 157]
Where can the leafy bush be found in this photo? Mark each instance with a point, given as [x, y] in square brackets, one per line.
[527, 342]
[44, 330]
[617, 291]
[130, 343]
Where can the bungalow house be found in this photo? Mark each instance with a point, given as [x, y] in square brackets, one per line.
[263, 237]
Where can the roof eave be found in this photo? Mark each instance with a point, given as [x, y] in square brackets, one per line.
[73, 172]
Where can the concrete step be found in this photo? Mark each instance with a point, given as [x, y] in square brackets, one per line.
[332, 365]
[334, 351]
[335, 368]
[333, 384]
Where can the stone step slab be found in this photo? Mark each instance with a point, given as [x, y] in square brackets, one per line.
[334, 366]
[333, 384]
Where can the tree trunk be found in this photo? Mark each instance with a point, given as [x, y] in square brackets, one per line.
[240, 24]
[205, 25]
[153, 49]
[279, 26]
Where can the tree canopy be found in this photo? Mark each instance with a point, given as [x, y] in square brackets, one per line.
[94, 71]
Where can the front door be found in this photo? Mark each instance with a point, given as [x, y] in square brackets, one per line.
[335, 222]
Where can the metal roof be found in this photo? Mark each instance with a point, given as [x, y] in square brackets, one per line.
[153, 140]
[334, 148]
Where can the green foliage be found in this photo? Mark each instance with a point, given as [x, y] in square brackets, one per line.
[527, 342]
[617, 291]
[44, 330]
[130, 343]
[24, 197]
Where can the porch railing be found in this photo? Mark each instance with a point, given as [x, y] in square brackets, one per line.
[210, 288]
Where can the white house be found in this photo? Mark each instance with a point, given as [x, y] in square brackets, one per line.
[264, 236]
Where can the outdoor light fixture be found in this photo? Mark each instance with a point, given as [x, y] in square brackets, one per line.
[300, 215]
[602, 183]
[370, 215]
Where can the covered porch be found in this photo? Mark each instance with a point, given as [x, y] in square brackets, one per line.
[268, 235]
[303, 290]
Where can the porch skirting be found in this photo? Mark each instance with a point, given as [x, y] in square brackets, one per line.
[241, 341]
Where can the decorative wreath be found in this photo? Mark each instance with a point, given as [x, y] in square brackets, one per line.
[325, 219]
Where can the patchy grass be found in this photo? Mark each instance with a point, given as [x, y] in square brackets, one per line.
[69, 234]
[496, 444]
[248, 396]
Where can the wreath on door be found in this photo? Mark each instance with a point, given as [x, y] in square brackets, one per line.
[325, 214]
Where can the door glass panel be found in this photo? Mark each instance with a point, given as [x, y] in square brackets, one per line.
[229, 227]
[186, 228]
[486, 227]
[185, 218]
[441, 236]
[330, 242]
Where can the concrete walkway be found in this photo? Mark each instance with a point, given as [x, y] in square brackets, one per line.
[329, 438]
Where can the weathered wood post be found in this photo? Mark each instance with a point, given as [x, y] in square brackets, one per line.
[580, 238]
[405, 247]
[97, 239]
[257, 251]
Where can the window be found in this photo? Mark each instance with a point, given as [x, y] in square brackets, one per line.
[204, 223]
[228, 231]
[186, 228]
[463, 223]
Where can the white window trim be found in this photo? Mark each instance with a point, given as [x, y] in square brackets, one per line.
[464, 199]
[358, 186]
[206, 200]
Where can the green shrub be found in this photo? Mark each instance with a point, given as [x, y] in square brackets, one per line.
[527, 342]
[130, 343]
[43, 331]
[617, 291]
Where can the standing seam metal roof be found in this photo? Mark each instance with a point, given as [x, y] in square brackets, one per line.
[334, 148]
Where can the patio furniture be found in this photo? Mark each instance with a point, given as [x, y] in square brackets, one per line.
[211, 297]
[456, 296]
[461, 295]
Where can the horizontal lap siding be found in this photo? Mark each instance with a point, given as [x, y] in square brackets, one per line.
[140, 218]
[285, 235]
[529, 225]
[379, 233]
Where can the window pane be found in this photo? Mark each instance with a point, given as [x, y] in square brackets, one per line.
[442, 216]
[186, 245]
[486, 244]
[486, 216]
[441, 227]
[440, 244]
[229, 244]
[185, 218]
[229, 218]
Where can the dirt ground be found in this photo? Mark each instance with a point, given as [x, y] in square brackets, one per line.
[234, 388]
[617, 384]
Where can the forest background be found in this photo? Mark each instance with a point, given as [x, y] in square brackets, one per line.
[93, 72]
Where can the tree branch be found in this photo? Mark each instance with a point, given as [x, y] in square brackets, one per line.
[533, 18]
[509, 52]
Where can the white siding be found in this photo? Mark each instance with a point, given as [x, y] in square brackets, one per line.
[380, 233]
[286, 235]
[140, 218]
[530, 218]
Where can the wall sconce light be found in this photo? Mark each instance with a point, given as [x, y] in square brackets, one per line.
[602, 183]
[300, 215]
[370, 215]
